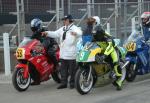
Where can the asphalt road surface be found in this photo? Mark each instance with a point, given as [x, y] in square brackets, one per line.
[135, 92]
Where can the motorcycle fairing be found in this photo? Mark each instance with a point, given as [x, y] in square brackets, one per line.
[88, 52]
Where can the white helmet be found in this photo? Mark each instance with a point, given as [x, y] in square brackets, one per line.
[97, 20]
[145, 17]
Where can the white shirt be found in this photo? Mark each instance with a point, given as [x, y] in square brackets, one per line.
[67, 46]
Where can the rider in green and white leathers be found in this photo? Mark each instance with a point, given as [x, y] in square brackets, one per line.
[105, 40]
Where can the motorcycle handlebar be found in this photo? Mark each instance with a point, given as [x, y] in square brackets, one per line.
[35, 53]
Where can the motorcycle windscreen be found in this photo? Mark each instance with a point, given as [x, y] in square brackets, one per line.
[87, 38]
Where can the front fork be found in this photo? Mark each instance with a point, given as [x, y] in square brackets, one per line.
[126, 63]
[90, 73]
[129, 61]
[26, 69]
[26, 72]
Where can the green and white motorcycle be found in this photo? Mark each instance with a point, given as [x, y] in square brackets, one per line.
[89, 70]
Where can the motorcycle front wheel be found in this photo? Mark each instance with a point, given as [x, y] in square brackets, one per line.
[82, 84]
[19, 82]
[131, 72]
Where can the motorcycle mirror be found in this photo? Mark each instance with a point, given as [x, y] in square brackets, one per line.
[14, 40]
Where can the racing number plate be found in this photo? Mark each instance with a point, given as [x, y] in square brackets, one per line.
[20, 53]
[131, 46]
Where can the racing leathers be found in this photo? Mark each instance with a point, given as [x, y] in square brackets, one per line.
[105, 41]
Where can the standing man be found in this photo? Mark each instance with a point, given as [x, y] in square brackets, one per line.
[68, 35]
[145, 18]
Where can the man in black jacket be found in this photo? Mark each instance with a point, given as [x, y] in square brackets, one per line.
[49, 43]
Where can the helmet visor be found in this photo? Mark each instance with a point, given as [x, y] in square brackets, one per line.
[145, 20]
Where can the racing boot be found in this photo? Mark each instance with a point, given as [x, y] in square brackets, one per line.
[119, 85]
[118, 82]
[35, 83]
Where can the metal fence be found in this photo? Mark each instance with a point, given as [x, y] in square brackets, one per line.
[119, 15]
[32, 9]
[31, 6]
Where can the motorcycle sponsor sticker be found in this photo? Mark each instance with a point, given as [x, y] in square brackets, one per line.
[83, 56]
[38, 60]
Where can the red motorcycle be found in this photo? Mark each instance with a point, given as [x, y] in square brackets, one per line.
[33, 64]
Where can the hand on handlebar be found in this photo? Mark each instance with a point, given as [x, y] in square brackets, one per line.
[44, 34]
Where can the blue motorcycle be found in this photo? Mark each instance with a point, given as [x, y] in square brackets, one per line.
[137, 57]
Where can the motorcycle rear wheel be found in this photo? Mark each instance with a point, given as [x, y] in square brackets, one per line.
[130, 73]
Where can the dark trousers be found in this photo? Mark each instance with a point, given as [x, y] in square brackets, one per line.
[52, 54]
[68, 67]
[51, 47]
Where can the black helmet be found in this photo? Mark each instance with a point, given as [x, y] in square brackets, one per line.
[36, 24]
